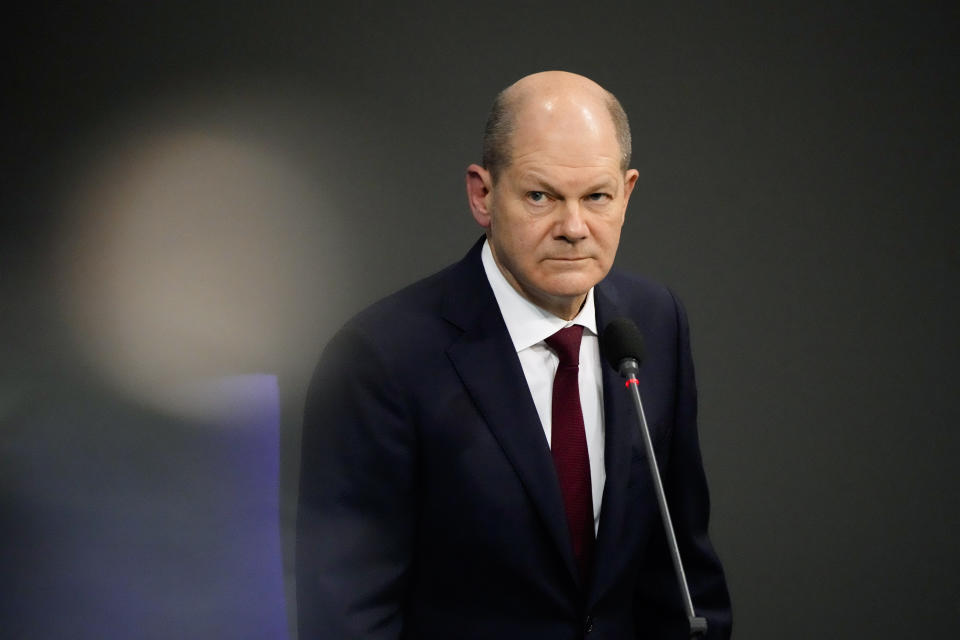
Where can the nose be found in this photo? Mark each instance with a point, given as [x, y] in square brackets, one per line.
[571, 225]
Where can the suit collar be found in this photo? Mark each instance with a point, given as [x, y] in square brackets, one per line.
[618, 438]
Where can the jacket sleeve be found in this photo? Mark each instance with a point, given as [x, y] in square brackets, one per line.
[356, 504]
[659, 609]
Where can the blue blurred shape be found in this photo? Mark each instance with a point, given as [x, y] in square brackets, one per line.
[119, 522]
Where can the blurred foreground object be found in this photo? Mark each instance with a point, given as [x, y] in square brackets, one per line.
[184, 254]
[124, 523]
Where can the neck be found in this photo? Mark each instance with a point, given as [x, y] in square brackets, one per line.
[564, 309]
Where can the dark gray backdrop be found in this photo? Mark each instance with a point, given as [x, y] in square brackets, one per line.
[798, 189]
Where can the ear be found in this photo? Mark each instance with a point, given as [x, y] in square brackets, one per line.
[479, 193]
[629, 181]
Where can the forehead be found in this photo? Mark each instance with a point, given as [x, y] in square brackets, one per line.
[558, 159]
[565, 133]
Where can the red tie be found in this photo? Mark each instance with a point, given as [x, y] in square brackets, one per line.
[568, 443]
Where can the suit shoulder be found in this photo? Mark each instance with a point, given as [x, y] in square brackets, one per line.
[401, 320]
[632, 290]
[654, 307]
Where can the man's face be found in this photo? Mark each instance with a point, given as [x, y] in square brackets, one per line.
[554, 215]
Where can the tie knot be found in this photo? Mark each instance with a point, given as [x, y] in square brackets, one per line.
[566, 343]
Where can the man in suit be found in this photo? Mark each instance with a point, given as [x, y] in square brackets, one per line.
[470, 467]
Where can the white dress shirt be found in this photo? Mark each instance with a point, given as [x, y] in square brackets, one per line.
[528, 326]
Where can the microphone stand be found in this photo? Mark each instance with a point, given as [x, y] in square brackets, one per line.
[630, 369]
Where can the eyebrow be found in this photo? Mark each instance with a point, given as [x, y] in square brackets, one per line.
[539, 181]
[605, 183]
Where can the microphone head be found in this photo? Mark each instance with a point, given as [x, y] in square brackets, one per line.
[621, 340]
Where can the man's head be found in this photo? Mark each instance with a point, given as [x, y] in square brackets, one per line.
[554, 187]
[501, 122]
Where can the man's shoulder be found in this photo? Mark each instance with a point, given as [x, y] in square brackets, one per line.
[427, 300]
[630, 290]
[402, 314]
[422, 297]
[394, 331]
[416, 317]
[635, 283]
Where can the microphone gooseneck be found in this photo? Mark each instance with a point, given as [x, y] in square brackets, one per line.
[622, 345]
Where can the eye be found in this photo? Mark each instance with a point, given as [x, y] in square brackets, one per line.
[599, 197]
[537, 197]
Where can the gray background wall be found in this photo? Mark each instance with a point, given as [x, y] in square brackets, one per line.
[798, 189]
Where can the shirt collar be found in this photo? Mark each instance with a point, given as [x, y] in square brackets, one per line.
[527, 323]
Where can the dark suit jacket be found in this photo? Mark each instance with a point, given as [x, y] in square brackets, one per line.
[429, 505]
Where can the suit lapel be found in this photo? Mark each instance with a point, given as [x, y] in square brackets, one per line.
[618, 438]
[499, 390]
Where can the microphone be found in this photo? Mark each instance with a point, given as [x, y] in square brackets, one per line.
[622, 345]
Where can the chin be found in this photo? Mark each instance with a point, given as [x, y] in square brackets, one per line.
[571, 285]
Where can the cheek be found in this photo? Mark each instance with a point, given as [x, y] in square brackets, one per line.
[614, 228]
[607, 242]
[523, 234]
[612, 240]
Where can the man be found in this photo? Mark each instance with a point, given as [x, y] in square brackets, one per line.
[470, 467]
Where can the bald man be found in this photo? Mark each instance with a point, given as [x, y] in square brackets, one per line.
[470, 467]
